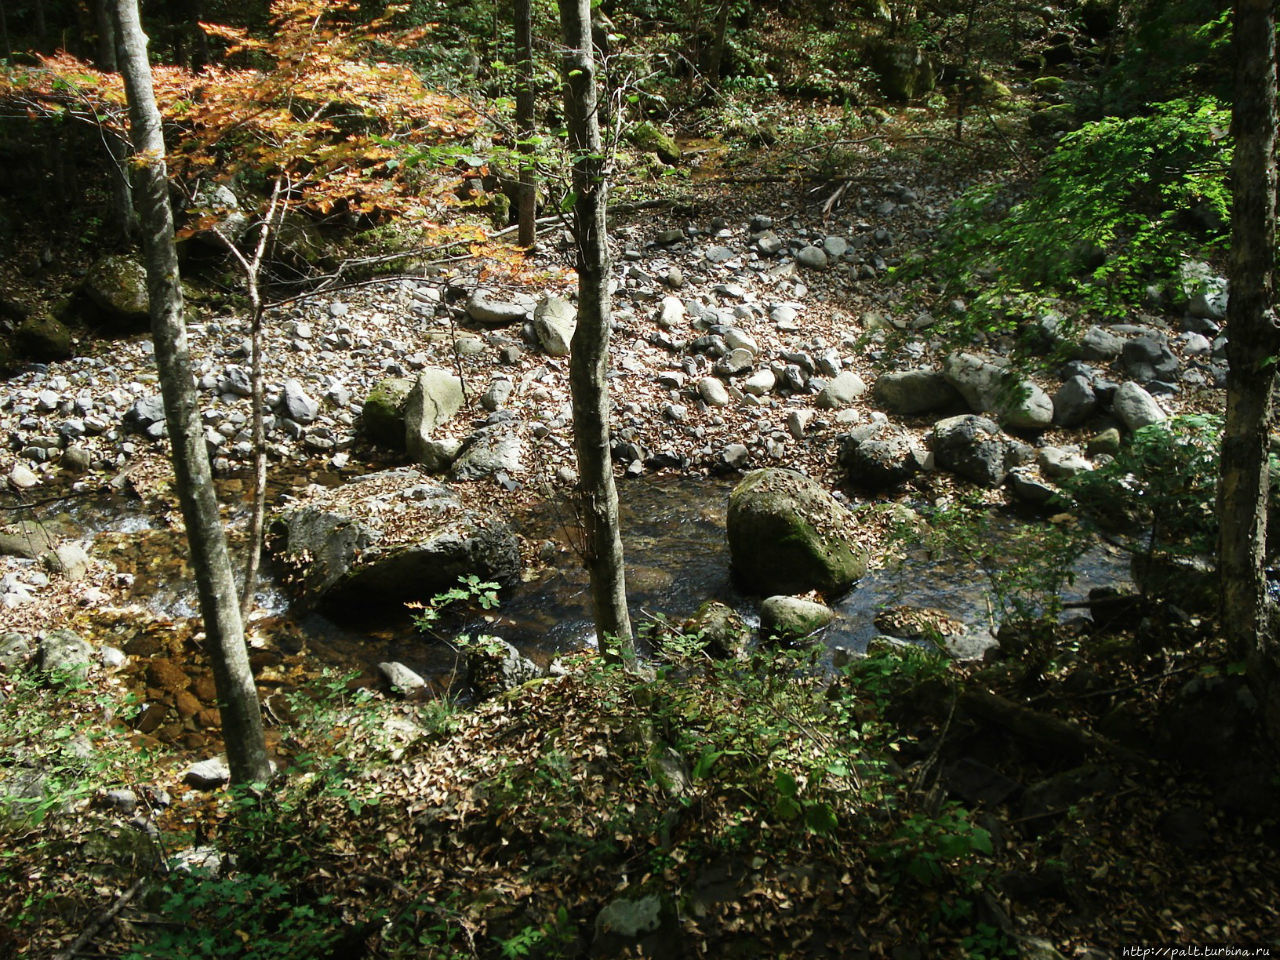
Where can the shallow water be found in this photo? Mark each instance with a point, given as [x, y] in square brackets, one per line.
[677, 557]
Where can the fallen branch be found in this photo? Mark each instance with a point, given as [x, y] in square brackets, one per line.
[100, 921]
[1041, 730]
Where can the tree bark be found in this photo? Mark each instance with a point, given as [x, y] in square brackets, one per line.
[589, 357]
[526, 206]
[237, 696]
[1252, 349]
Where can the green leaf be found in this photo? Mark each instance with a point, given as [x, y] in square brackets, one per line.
[821, 818]
[786, 784]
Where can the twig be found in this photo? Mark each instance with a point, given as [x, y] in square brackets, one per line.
[91, 931]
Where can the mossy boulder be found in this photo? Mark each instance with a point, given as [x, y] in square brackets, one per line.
[116, 289]
[42, 337]
[788, 535]
[905, 71]
[726, 634]
[383, 413]
[652, 139]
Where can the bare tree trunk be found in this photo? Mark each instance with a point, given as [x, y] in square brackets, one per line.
[589, 358]
[121, 218]
[237, 696]
[1252, 348]
[526, 207]
[6, 49]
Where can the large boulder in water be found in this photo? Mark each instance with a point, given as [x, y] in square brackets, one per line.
[390, 537]
[788, 535]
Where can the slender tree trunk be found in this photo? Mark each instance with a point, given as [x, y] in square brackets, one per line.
[121, 218]
[719, 38]
[6, 49]
[526, 207]
[237, 696]
[42, 28]
[589, 358]
[1252, 348]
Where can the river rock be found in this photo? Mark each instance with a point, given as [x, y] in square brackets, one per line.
[670, 313]
[791, 618]
[489, 454]
[760, 383]
[69, 559]
[1028, 489]
[64, 652]
[408, 539]
[788, 535]
[554, 321]
[726, 634]
[116, 286]
[713, 392]
[974, 448]
[296, 404]
[21, 477]
[495, 666]
[1147, 358]
[1057, 463]
[1074, 402]
[487, 308]
[383, 412]
[208, 774]
[840, 391]
[435, 397]
[911, 392]
[401, 679]
[812, 257]
[880, 461]
[990, 387]
[1099, 344]
[1135, 408]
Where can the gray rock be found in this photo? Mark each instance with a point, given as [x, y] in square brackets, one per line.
[812, 257]
[1030, 408]
[383, 411]
[835, 246]
[912, 392]
[760, 383]
[17, 650]
[70, 559]
[1135, 408]
[217, 201]
[1057, 463]
[788, 535]
[401, 679]
[146, 411]
[340, 552]
[790, 618]
[630, 919]
[990, 387]
[768, 243]
[438, 454]
[295, 403]
[1107, 442]
[1146, 359]
[735, 456]
[1028, 489]
[719, 254]
[554, 321]
[1099, 344]
[64, 652]
[489, 454]
[879, 462]
[1074, 403]
[840, 391]
[22, 478]
[974, 448]
[735, 362]
[485, 307]
[497, 395]
[208, 774]
[670, 313]
[495, 666]
[435, 397]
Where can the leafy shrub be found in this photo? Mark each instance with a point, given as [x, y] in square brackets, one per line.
[1109, 214]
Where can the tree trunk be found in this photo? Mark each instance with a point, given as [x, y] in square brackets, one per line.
[589, 358]
[237, 696]
[720, 37]
[526, 207]
[1252, 348]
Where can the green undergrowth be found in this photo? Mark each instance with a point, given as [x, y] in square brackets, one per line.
[735, 807]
